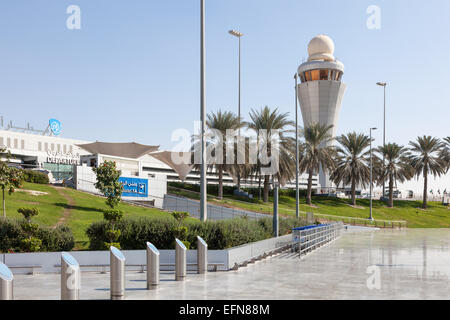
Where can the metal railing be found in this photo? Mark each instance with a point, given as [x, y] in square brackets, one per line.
[309, 238]
[225, 209]
[356, 221]
[215, 212]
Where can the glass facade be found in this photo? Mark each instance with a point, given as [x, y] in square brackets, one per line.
[59, 171]
[321, 74]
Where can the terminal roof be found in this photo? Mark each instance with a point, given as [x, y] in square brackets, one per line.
[130, 150]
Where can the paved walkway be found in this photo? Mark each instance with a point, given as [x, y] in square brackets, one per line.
[411, 264]
[67, 210]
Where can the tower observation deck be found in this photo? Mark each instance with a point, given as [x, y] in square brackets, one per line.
[320, 91]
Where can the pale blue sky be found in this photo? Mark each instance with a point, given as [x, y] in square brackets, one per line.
[132, 71]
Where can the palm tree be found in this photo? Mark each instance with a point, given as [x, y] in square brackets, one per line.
[271, 120]
[445, 153]
[316, 151]
[221, 122]
[353, 158]
[426, 159]
[397, 166]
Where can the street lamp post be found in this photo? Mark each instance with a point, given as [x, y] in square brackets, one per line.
[238, 35]
[275, 208]
[297, 194]
[383, 84]
[203, 190]
[371, 168]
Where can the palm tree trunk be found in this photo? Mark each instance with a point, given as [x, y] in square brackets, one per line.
[308, 195]
[238, 177]
[353, 191]
[220, 191]
[266, 188]
[425, 188]
[259, 185]
[4, 204]
[391, 191]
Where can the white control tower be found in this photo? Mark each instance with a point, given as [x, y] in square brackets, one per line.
[321, 91]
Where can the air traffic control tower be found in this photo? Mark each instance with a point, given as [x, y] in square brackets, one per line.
[321, 91]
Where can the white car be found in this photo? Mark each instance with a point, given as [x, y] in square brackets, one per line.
[341, 194]
[365, 195]
[49, 174]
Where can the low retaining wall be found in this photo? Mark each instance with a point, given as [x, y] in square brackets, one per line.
[50, 261]
[237, 255]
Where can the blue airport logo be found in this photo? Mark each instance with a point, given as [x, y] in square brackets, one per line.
[55, 126]
[134, 187]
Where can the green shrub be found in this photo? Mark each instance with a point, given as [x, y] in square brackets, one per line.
[211, 189]
[180, 216]
[163, 231]
[134, 233]
[35, 177]
[180, 232]
[113, 215]
[228, 190]
[29, 228]
[31, 244]
[12, 234]
[58, 239]
[113, 234]
[28, 213]
[187, 244]
[286, 225]
[108, 245]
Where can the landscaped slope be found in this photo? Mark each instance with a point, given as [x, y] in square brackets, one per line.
[73, 208]
[436, 216]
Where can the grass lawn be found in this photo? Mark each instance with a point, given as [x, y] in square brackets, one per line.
[83, 210]
[436, 216]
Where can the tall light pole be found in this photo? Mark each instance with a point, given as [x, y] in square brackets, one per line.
[275, 208]
[297, 194]
[238, 35]
[371, 168]
[383, 84]
[203, 190]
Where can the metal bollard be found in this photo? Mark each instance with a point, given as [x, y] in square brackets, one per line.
[152, 267]
[6, 283]
[202, 255]
[180, 261]
[70, 277]
[117, 274]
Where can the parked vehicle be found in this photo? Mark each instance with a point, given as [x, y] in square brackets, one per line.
[409, 194]
[365, 195]
[396, 194]
[49, 174]
[341, 194]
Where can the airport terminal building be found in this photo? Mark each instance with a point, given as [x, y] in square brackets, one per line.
[145, 169]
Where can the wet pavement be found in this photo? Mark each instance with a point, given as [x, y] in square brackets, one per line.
[381, 264]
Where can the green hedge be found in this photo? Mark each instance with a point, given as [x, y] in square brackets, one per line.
[57, 239]
[228, 190]
[213, 189]
[160, 231]
[35, 177]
